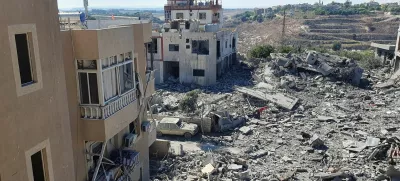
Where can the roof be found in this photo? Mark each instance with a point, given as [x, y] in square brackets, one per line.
[383, 46]
[173, 120]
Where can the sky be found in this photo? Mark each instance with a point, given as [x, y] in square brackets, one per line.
[63, 4]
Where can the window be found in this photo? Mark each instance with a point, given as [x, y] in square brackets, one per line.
[187, 40]
[218, 49]
[38, 162]
[38, 166]
[126, 77]
[234, 43]
[155, 45]
[88, 88]
[202, 16]
[25, 58]
[187, 46]
[200, 47]
[179, 15]
[173, 47]
[226, 44]
[198, 73]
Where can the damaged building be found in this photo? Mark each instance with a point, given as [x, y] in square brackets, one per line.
[192, 47]
[108, 92]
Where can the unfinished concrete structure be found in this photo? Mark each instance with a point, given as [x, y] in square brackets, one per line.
[384, 52]
[193, 48]
[108, 92]
[35, 129]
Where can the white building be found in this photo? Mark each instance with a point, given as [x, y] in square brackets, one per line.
[193, 47]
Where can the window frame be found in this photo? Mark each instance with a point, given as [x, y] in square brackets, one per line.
[204, 15]
[173, 46]
[176, 15]
[35, 65]
[46, 159]
[203, 73]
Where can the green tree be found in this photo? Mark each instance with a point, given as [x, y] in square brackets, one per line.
[336, 46]
[262, 51]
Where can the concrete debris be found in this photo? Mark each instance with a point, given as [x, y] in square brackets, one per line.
[300, 117]
[208, 169]
[235, 167]
[245, 130]
[279, 99]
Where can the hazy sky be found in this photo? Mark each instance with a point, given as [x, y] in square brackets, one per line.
[160, 3]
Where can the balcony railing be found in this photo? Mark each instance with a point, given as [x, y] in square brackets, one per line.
[103, 112]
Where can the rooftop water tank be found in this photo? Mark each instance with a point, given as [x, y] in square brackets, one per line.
[211, 27]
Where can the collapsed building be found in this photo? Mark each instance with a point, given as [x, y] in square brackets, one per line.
[192, 47]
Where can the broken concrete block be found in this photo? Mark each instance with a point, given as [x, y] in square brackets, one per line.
[316, 142]
[235, 167]
[208, 169]
[259, 154]
[245, 130]
[372, 141]
[325, 118]
[286, 159]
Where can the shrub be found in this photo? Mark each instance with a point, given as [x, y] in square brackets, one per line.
[189, 102]
[286, 49]
[262, 51]
[336, 46]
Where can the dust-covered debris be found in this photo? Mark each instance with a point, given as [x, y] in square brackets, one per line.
[341, 128]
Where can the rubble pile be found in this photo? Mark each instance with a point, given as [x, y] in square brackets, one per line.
[305, 120]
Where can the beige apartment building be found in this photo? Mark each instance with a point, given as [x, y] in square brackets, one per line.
[108, 94]
[74, 103]
[35, 141]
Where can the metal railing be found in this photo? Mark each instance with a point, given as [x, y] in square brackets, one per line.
[103, 112]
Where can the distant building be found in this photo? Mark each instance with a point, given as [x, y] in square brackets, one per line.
[193, 47]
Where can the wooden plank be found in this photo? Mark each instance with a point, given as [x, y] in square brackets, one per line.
[279, 99]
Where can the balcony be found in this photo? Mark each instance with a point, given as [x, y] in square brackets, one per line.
[195, 6]
[101, 123]
[104, 112]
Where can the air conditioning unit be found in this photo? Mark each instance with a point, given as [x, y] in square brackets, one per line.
[130, 140]
[146, 126]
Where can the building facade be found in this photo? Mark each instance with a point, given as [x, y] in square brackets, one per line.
[193, 47]
[108, 93]
[35, 130]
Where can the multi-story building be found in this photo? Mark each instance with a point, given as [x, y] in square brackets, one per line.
[193, 47]
[73, 102]
[108, 92]
[35, 129]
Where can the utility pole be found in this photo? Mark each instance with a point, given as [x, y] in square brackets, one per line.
[283, 26]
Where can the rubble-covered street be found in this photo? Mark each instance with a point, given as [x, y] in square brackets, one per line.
[318, 120]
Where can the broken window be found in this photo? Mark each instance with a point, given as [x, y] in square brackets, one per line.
[24, 58]
[187, 40]
[88, 88]
[203, 16]
[187, 25]
[155, 45]
[198, 72]
[187, 46]
[179, 15]
[200, 47]
[126, 77]
[226, 44]
[173, 47]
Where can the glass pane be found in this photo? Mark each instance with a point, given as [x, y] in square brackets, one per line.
[83, 84]
[94, 95]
